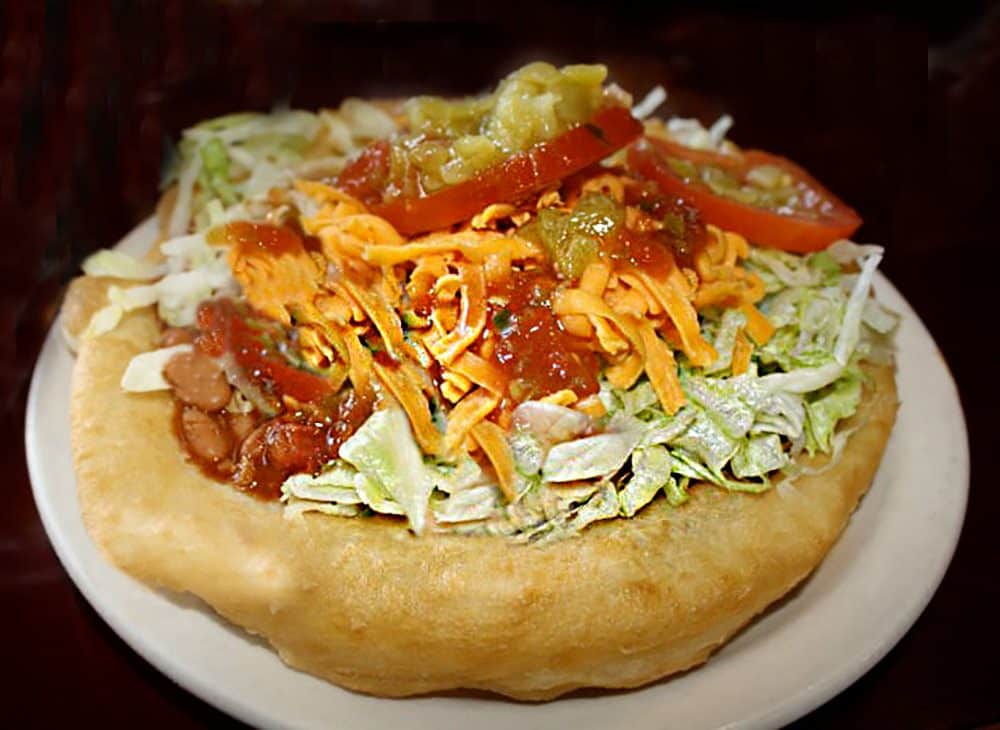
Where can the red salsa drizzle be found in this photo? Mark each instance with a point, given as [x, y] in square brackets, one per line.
[682, 236]
[532, 349]
[254, 343]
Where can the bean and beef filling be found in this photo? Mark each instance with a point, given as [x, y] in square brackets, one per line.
[232, 440]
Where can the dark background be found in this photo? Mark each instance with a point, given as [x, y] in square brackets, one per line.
[899, 113]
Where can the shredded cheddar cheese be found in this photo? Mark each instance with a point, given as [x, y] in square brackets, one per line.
[494, 444]
[382, 311]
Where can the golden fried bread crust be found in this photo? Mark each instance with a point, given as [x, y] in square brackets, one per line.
[365, 604]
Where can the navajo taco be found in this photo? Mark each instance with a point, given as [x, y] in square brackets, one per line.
[523, 392]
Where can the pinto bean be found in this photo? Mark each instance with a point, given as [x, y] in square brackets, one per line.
[176, 336]
[292, 445]
[275, 449]
[279, 443]
[208, 437]
[198, 381]
[251, 455]
[241, 424]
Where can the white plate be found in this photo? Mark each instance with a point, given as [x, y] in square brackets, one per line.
[861, 600]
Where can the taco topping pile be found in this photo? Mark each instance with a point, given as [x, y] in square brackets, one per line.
[512, 314]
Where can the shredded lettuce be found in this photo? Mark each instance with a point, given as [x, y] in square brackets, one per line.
[592, 456]
[365, 120]
[649, 104]
[120, 301]
[180, 294]
[638, 399]
[549, 422]
[333, 485]
[878, 318]
[825, 408]
[225, 161]
[469, 505]
[759, 456]
[780, 269]
[780, 413]
[651, 467]
[144, 372]
[707, 441]
[662, 429]
[214, 174]
[723, 336]
[602, 506]
[464, 474]
[848, 334]
[376, 496]
[529, 452]
[181, 215]
[298, 507]
[385, 453]
[735, 432]
[846, 252]
[729, 408]
[691, 133]
[103, 320]
[109, 262]
[194, 272]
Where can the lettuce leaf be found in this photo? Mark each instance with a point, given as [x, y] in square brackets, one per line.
[385, 453]
[759, 456]
[723, 334]
[549, 422]
[602, 506]
[376, 496]
[529, 453]
[298, 507]
[691, 466]
[469, 505]
[592, 456]
[708, 442]
[826, 408]
[662, 429]
[651, 467]
[110, 262]
[722, 399]
[848, 334]
[335, 484]
[144, 372]
[462, 475]
[214, 174]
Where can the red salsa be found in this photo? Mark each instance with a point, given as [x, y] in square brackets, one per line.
[532, 349]
[256, 344]
[682, 235]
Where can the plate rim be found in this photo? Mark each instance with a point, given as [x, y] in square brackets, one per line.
[791, 707]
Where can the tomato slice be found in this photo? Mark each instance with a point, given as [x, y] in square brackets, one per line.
[812, 220]
[225, 329]
[366, 178]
